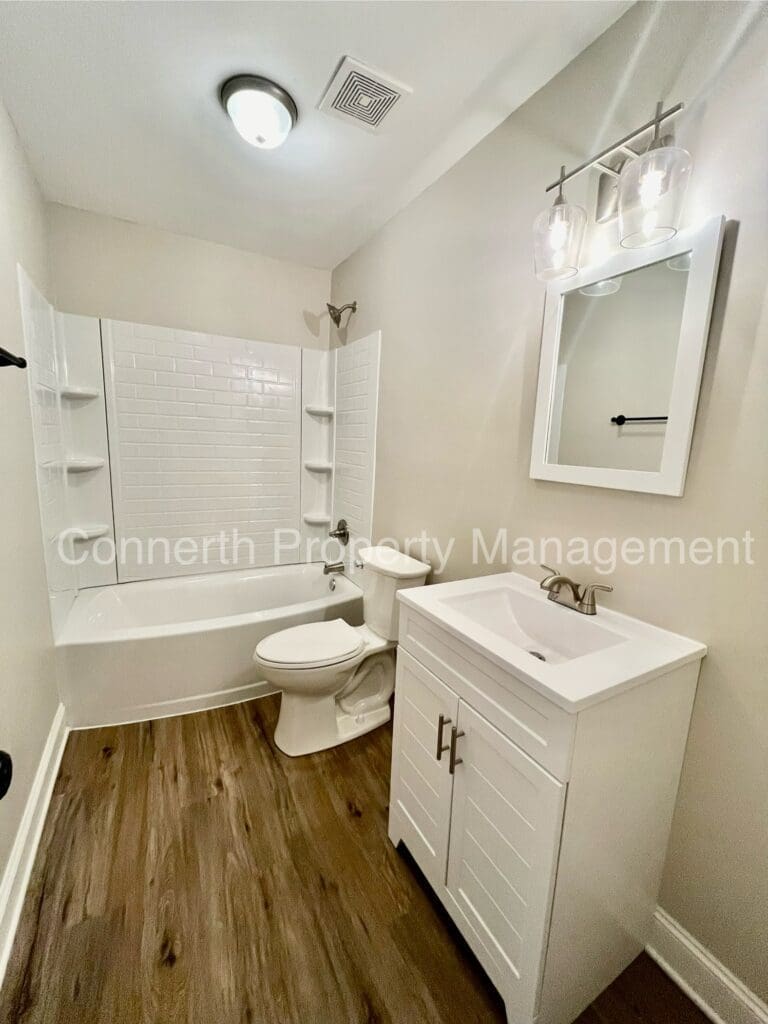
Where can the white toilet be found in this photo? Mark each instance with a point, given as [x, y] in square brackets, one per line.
[337, 679]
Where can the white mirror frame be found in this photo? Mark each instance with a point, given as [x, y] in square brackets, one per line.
[705, 244]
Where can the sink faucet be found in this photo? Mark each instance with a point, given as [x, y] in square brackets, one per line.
[564, 591]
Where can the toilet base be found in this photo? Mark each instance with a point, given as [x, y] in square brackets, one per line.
[307, 725]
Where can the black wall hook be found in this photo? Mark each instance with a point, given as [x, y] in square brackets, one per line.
[7, 359]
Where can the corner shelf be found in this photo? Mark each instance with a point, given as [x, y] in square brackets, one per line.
[319, 410]
[86, 532]
[77, 393]
[318, 467]
[316, 519]
[82, 464]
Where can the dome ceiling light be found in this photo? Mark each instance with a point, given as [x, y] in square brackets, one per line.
[262, 112]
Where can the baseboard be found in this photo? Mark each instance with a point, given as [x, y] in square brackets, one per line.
[94, 719]
[15, 879]
[716, 991]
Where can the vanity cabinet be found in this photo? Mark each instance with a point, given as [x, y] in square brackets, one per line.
[542, 832]
[505, 822]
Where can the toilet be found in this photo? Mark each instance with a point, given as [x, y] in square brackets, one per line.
[336, 679]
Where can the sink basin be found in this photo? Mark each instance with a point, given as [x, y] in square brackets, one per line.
[537, 627]
[575, 660]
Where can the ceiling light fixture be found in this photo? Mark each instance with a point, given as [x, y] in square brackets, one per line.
[262, 112]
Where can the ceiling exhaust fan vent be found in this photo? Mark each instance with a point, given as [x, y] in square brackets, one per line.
[361, 94]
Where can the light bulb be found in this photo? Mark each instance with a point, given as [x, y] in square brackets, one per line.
[650, 188]
[650, 222]
[558, 234]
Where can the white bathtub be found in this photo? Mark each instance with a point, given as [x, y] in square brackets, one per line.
[136, 651]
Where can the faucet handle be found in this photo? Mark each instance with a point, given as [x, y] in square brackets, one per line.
[341, 533]
[587, 603]
[550, 570]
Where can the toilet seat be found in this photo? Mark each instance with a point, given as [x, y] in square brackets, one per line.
[336, 680]
[313, 645]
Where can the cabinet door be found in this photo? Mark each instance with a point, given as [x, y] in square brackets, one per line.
[504, 840]
[420, 803]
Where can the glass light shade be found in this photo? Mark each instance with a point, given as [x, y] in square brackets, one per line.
[557, 236]
[607, 287]
[681, 263]
[651, 194]
[261, 117]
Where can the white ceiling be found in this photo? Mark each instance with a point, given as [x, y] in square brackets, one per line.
[116, 105]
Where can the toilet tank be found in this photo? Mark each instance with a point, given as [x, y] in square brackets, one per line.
[388, 571]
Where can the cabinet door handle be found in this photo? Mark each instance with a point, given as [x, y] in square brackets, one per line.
[453, 760]
[441, 723]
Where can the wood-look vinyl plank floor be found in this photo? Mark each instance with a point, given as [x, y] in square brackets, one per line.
[190, 873]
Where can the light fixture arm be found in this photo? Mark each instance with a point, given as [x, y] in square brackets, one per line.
[622, 145]
[560, 198]
[656, 142]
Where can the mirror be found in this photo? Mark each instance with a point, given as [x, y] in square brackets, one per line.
[616, 361]
[622, 352]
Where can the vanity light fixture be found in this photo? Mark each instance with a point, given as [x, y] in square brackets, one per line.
[557, 236]
[262, 112]
[651, 192]
[648, 189]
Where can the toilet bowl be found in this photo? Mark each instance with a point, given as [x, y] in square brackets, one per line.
[336, 679]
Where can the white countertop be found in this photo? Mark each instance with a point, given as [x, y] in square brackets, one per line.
[589, 658]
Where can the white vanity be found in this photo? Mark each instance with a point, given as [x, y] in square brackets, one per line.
[537, 795]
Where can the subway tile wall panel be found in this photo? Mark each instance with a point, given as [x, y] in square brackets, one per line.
[89, 495]
[47, 427]
[205, 436]
[357, 388]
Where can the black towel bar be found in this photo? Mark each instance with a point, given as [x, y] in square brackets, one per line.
[620, 420]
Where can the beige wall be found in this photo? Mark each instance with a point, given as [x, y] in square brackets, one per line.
[28, 695]
[101, 266]
[449, 281]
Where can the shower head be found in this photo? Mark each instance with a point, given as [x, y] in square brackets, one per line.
[336, 311]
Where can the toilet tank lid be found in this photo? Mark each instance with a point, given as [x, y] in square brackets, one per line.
[390, 562]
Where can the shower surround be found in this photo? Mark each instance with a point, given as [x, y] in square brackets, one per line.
[150, 441]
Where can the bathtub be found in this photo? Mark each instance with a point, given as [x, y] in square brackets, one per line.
[135, 651]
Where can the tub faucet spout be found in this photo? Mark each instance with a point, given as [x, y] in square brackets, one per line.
[331, 567]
